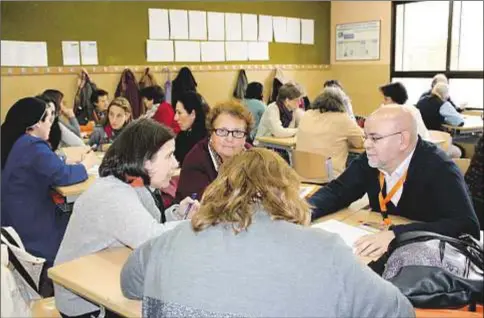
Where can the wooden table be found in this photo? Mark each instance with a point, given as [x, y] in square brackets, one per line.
[472, 124]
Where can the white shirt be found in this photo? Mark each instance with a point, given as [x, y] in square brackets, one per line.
[392, 179]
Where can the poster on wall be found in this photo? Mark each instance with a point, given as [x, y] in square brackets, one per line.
[358, 41]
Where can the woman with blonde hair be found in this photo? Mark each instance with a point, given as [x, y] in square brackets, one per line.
[249, 253]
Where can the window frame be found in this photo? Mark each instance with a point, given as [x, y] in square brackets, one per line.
[428, 74]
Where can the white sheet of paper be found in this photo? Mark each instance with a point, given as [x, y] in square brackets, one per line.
[89, 53]
[37, 53]
[187, 51]
[293, 30]
[178, 24]
[307, 31]
[197, 23]
[9, 56]
[249, 27]
[305, 190]
[258, 51]
[213, 51]
[349, 234]
[233, 27]
[158, 24]
[71, 53]
[236, 51]
[23, 53]
[265, 28]
[216, 26]
[279, 25]
[159, 51]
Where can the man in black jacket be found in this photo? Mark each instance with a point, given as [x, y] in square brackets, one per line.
[402, 175]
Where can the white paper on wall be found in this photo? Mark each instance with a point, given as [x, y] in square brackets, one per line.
[23, 53]
[265, 28]
[89, 53]
[236, 51]
[307, 31]
[158, 24]
[213, 51]
[71, 53]
[178, 24]
[187, 51]
[249, 27]
[258, 51]
[216, 26]
[159, 51]
[197, 25]
[279, 25]
[233, 27]
[293, 30]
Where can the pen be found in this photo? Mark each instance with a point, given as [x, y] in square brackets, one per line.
[193, 196]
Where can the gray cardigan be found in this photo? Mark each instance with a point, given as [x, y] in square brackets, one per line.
[275, 269]
[109, 214]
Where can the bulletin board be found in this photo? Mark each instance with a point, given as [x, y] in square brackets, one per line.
[358, 41]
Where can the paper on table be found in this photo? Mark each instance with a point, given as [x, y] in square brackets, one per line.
[70, 53]
[280, 29]
[236, 51]
[22, 53]
[158, 24]
[187, 51]
[348, 233]
[159, 51]
[293, 30]
[213, 51]
[249, 27]
[178, 24]
[197, 25]
[307, 31]
[265, 28]
[233, 27]
[89, 53]
[258, 51]
[305, 190]
[216, 26]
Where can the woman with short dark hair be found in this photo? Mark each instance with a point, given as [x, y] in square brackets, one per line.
[122, 207]
[153, 99]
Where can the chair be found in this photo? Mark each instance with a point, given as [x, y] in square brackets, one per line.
[463, 164]
[312, 167]
[441, 135]
[45, 308]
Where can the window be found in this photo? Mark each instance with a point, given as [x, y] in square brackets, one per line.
[430, 37]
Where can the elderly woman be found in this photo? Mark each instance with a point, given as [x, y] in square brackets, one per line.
[327, 129]
[251, 254]
[228, 123]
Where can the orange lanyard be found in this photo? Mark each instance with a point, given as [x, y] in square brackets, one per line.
[384, 200]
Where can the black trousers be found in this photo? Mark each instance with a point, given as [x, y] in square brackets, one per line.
[94, 314]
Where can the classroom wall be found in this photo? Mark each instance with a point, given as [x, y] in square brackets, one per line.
[361, 79]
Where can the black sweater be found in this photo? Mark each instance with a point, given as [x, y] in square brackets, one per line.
[434, 193]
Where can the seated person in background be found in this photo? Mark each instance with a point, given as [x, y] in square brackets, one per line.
[402, 175]
[153, 98]
[436, 109]
[119, 115]
[30, 169]
[251, 253]
[441, 78]
[396, 93]
[347, 100]
[100, 101]
[281, 118]
[253, 101]
[326, 129]
[190, 114]
[120, 208]
[67, 119]
[474, 178]
[229, 124]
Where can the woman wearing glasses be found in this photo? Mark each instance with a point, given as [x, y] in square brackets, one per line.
[228, 124]
[29, 170]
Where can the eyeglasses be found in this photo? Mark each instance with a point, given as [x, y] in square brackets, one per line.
[375, 139]
[222, 132]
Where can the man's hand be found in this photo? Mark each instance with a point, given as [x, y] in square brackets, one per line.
[374, 245]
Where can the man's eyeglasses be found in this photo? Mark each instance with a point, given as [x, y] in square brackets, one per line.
[222, 132]
[375, 139]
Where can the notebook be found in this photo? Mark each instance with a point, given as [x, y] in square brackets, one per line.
[349, 234]
[305, 190]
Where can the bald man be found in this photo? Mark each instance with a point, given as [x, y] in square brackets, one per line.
[419, 182]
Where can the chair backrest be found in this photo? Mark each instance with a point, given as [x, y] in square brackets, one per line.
[441, 135]
[312, 166]
[463, 164]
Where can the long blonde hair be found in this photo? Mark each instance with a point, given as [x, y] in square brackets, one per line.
[256, 176]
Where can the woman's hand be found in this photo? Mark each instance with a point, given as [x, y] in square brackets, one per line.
[188, 207]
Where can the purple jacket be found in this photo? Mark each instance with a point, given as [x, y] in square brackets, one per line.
[128, 88]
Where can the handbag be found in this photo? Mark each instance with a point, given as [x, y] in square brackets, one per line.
[435, 271]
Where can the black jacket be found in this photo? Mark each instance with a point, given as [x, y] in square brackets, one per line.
[434, 193]
[429, 107]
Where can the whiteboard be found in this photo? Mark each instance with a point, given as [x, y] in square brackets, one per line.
[358, 41]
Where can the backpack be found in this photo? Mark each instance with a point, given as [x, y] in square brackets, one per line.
[435, 271]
